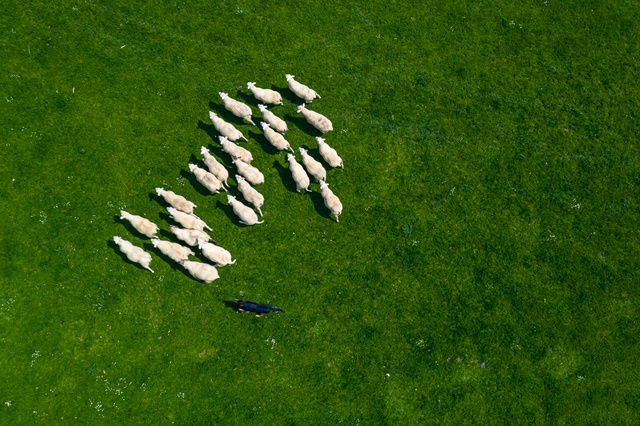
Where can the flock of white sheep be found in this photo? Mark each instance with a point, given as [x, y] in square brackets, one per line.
[215, 179]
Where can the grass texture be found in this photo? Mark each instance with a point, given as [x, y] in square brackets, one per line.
[484, 269]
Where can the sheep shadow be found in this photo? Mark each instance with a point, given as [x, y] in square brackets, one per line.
[302, 124]
[266, 146]
[222, 157]
[209, 129]
[287, 94]
[172, 263]
[194, 182]
[116, 248]
[286, 177]
[153, 196]
[228, 211]
[129, 227]
[246, 98]
[226, 115]
[318, 204]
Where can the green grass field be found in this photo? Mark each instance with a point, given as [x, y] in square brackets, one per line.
[484, 269]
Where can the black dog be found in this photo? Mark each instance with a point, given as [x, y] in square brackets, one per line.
[246, 306]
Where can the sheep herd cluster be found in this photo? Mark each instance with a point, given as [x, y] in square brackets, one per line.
[215, 179]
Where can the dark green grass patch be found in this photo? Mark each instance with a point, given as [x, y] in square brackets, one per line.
[484, 268]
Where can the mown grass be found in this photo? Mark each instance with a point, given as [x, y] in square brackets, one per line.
[483, 271]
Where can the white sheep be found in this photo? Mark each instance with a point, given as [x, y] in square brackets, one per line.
[226, 129]
[330, 200]
[329, 154]
[236, 108]
[134, 253]
[176, 201]
[301, 90]
[300, 177]
[175, 251]
[267, 96]
[189, 221]
[189, 236]
[316, 119]
[141, 224]
[235, 151]
[251, 173]
[246, 214]
[313, 166]
[250, 194]
[276, 123]
[215, 167]
[216, 254]
[275, 138]
[201, 271]
[208, 180]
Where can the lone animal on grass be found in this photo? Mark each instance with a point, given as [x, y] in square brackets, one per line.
[251, 173]
[201, 271]
[189, 236]
[275, 138]
[236, 108]
[134, 253]
[313, 166]
[207, 179]
[176, 201]
[235, 151]
[215, 167]
[141, 224]
[276, 123]
[189, 221]
[316, 119]
[176, 252]
[227, 130]
[331, 201]
[300, 177]
[300, 90]
[246, 214]
[216, 254]
[329, 154]
[250, 194]
[259, 309]
[267, 96]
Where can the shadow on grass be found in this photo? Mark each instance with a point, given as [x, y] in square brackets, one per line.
[318, 204]
[210, 129]
[172, 263]
[266, 146]
[231, 304]
[302, 124]
[228, 211]
[286, 177]
[123, 256]
[129, 227]
[153, 196]
[287, 95]
[226, 115]
[248, 99]
[194, 182]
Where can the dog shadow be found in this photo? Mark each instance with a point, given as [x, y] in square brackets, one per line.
[231, 305]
